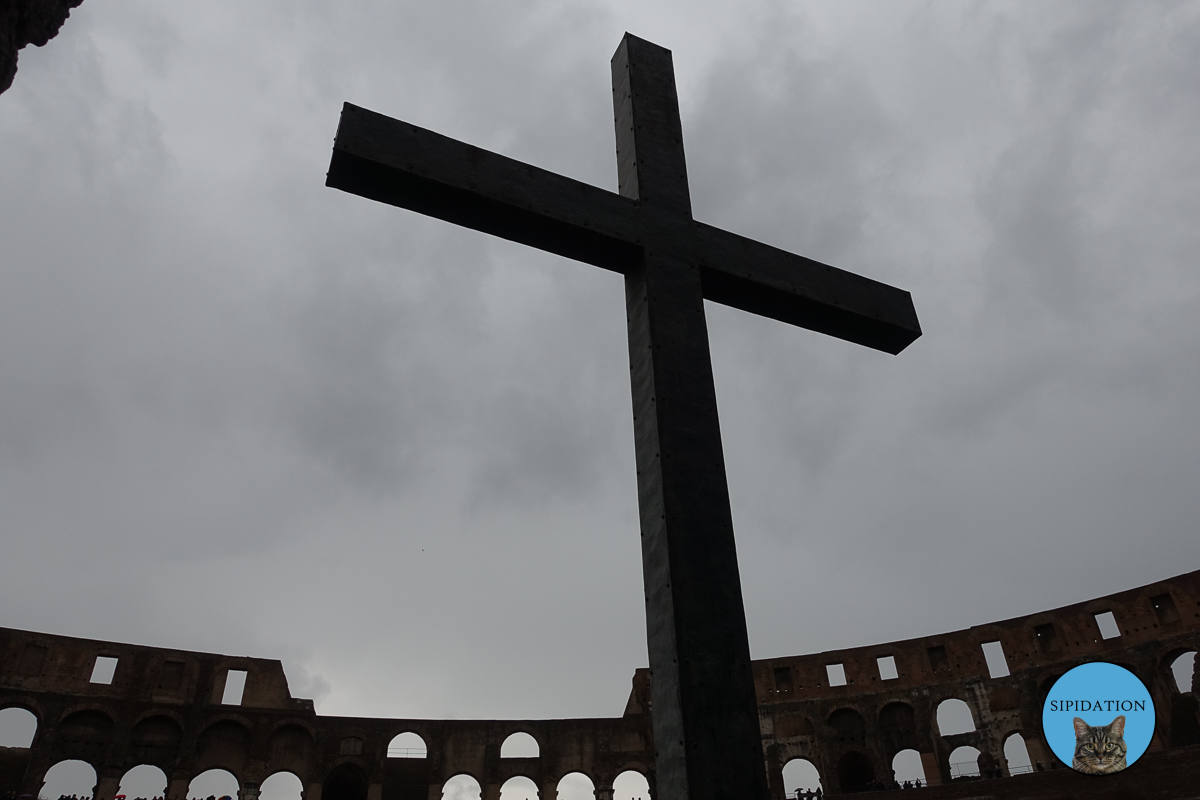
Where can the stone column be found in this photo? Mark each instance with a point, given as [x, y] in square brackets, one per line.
[491, 791]
[249, 791]
[108, 785]
[435, 790]
[177, 787]
[933, 770]
[375, 791]
[549, 791]
[313, 792]
[604, 792]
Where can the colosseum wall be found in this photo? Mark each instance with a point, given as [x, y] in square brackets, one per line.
[850, 713]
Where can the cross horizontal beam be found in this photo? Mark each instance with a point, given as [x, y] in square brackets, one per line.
[403, 165]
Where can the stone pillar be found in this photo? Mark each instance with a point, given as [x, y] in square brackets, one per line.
[933, 770]
[549, 791]
[375, 791]
[177, 788]
[435, 790]
[604, 792]
[491, 791]
[249, 791]
[775, 774]
[1039, 753]
[313, 792]
[108, 785]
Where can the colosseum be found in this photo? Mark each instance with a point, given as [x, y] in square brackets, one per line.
[962, 709]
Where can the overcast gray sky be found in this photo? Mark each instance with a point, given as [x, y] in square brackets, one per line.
[243, 413]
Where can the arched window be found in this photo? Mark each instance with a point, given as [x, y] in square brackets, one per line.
[69, 777]
[461, 787]
[144, 781]
[907, 766]
[213, 783]
[223, 745]
[575, 786]
[519, 788]
[290, 749]
[17, 727]
[898, 727]
[631, 785]
[519, 745]
[954, 716]
[964, 762]
[345, 782]
[85, 735]
[281, 786]
[407, 745]
[1184, 667]
[1017, 755]
[155, 741]
[800, 777]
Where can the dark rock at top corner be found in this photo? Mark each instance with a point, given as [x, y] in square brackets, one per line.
[25, 22]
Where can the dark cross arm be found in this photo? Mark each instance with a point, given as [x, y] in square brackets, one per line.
[393, 162]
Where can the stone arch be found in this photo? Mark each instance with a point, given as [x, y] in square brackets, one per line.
[631, 785]
[855, 771]
[215, 782]
[898, 727]
[347, 781]
[575, 786]
[154, 741]
[964, 762]
[907, 766]
[291, 749]
[519, 787]
[1016, 754]
[70, 776]
[801, 775]
[282, 785]
[954, 716]
[460, 787]
[850, 725]
[224, 744]
[84, 736]
[520, 744]
[407, 745]
[143, 780]
[18, 727]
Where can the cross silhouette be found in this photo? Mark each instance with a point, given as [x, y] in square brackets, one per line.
[708, 745]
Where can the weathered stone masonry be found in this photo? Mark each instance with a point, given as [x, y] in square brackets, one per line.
[164, 708]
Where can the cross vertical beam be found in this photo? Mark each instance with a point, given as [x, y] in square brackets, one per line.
[708, 745]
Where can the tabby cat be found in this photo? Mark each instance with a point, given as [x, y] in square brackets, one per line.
[1100, 750]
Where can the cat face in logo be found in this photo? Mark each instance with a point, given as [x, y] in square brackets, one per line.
[1100, 750]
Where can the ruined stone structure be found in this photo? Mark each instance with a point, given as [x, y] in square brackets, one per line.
[163, 707]
[25, 22]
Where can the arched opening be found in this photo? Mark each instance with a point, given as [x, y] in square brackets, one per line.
[461, 787]
[155, 741]
[964, 762]
[898, 727]
[631, 785]
[85, 736]
[855, 772]
[217, 783]
[281, 786]
[17, 727]
[1183, 669]
[71, 777]
[954, 716]
[143, 781]
[345, 782]
[290, 749]
[407, 745]
[519, 788]
[223, 745]
[519, 745]
[801, 779]
[1017, 755]
[575, 786]
[849, 725]
[907, 768]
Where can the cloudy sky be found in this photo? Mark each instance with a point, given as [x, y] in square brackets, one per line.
[241, 412]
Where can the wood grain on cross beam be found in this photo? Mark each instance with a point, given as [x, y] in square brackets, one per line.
[393, 162]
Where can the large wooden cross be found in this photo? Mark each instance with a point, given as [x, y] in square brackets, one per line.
[708, 745]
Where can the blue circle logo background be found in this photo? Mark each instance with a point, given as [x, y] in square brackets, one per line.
[1098, 683]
